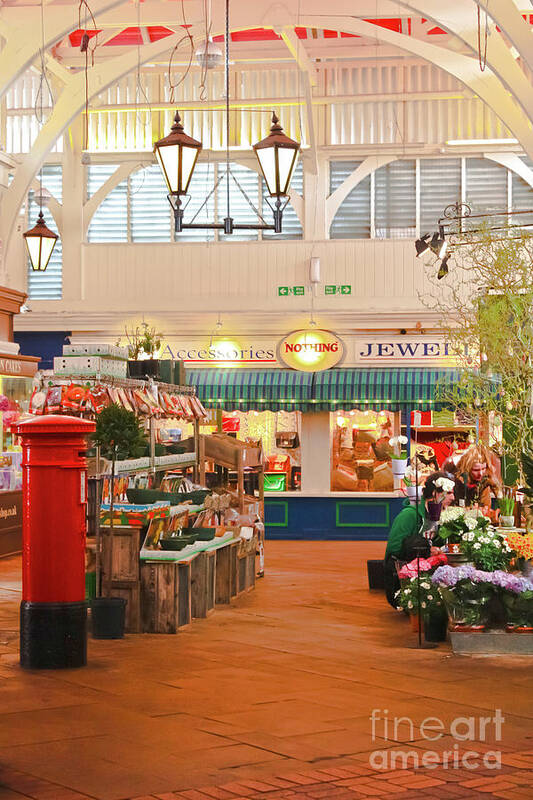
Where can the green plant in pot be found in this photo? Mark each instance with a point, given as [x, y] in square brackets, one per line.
[144, 343]
[119, 435]
[506, 505]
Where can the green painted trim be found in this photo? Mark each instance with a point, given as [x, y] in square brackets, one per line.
[362, 503]
[285, 505]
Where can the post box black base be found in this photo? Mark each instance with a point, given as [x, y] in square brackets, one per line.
[53, 635]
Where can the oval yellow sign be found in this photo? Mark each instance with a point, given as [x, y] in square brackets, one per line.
[311, 350]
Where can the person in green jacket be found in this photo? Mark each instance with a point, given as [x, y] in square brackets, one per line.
[406, 538]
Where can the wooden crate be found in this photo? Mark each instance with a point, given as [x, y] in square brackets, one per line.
[246, 570]
[165, 595]
[121, 571]
[226, 579]
[202, 585]
[120, 554]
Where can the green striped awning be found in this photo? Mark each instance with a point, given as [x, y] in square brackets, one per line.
[253, 389]
[390, 389]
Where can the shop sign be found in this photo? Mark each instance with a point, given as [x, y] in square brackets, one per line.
[311, 350]
[10, 510]
[230, 351]
[415, 351]
[24, 367]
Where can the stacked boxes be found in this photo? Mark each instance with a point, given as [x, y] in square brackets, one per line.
[92, 359]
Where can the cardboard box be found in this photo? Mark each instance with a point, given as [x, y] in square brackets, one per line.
[92, 366]
[96, 349]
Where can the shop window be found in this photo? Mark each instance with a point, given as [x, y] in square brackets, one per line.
[360, 451]
[47, 285]
[395, 200]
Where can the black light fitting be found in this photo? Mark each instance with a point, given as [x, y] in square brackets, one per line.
[277, 155]
[422, 244]
[443, 269]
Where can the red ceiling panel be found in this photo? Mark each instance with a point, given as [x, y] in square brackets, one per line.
[75, 36]
[157, 32]
[126, 37]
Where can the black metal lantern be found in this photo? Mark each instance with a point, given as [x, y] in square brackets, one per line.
[40, 242]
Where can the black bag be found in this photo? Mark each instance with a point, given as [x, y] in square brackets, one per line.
[287, 439]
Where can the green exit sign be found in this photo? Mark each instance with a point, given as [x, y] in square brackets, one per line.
[285, 291]
[340, 289]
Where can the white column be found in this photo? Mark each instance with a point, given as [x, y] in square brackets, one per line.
[316, 449]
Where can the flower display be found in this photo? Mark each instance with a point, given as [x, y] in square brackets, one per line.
[398, 442]
[445, 484]
[486, 547]
[426, 564]
[419, 600]
[521, 544]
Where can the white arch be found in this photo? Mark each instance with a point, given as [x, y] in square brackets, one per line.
[369, 165]
[485, 84]
[23, 39]
[513, 163]
[70, 103]
[460, 19]
[507, 16]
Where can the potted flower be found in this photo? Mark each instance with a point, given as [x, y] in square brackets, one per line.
[466, 593]
[398, 455]
[485, 547]
[506, 505]
[429, 611]
[518, 601]
[452, 526]
[144, 342]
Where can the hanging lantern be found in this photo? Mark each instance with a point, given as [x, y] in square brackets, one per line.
[277, 156]
[40, 242]
[177, 155]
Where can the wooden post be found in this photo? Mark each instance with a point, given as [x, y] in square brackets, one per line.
[240, 480]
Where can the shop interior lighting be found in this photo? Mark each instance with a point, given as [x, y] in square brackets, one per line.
[277, 154]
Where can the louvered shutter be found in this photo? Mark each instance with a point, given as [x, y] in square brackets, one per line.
[149, 208]
[486, 185]
[240, 209]
[110, 220]
[47, 285]
[522, 198]
[292, 227]
[395, 200]
[440, 186]
[352, 220]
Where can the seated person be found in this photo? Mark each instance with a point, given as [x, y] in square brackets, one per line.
[478, 465]
[406, 537]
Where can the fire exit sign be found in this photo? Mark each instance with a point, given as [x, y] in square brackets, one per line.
[341, 289]
[285, 291]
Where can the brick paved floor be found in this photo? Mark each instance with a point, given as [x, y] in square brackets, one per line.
[269, 698]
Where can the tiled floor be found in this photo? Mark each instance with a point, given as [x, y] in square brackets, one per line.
[269, 698]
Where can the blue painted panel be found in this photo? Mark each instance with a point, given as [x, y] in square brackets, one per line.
[315, 518]
[44, 344]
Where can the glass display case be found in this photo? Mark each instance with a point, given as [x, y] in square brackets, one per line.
[15, 394]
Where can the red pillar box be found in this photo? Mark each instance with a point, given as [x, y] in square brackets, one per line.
[53, 611]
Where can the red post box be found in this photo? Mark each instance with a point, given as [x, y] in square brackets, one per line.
[53, 611]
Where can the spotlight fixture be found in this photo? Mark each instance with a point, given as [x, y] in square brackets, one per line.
[438, 243]
[443, 269]
[422, 244]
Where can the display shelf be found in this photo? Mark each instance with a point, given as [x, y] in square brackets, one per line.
[162, 463]
[440, 428]
[234, 455]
